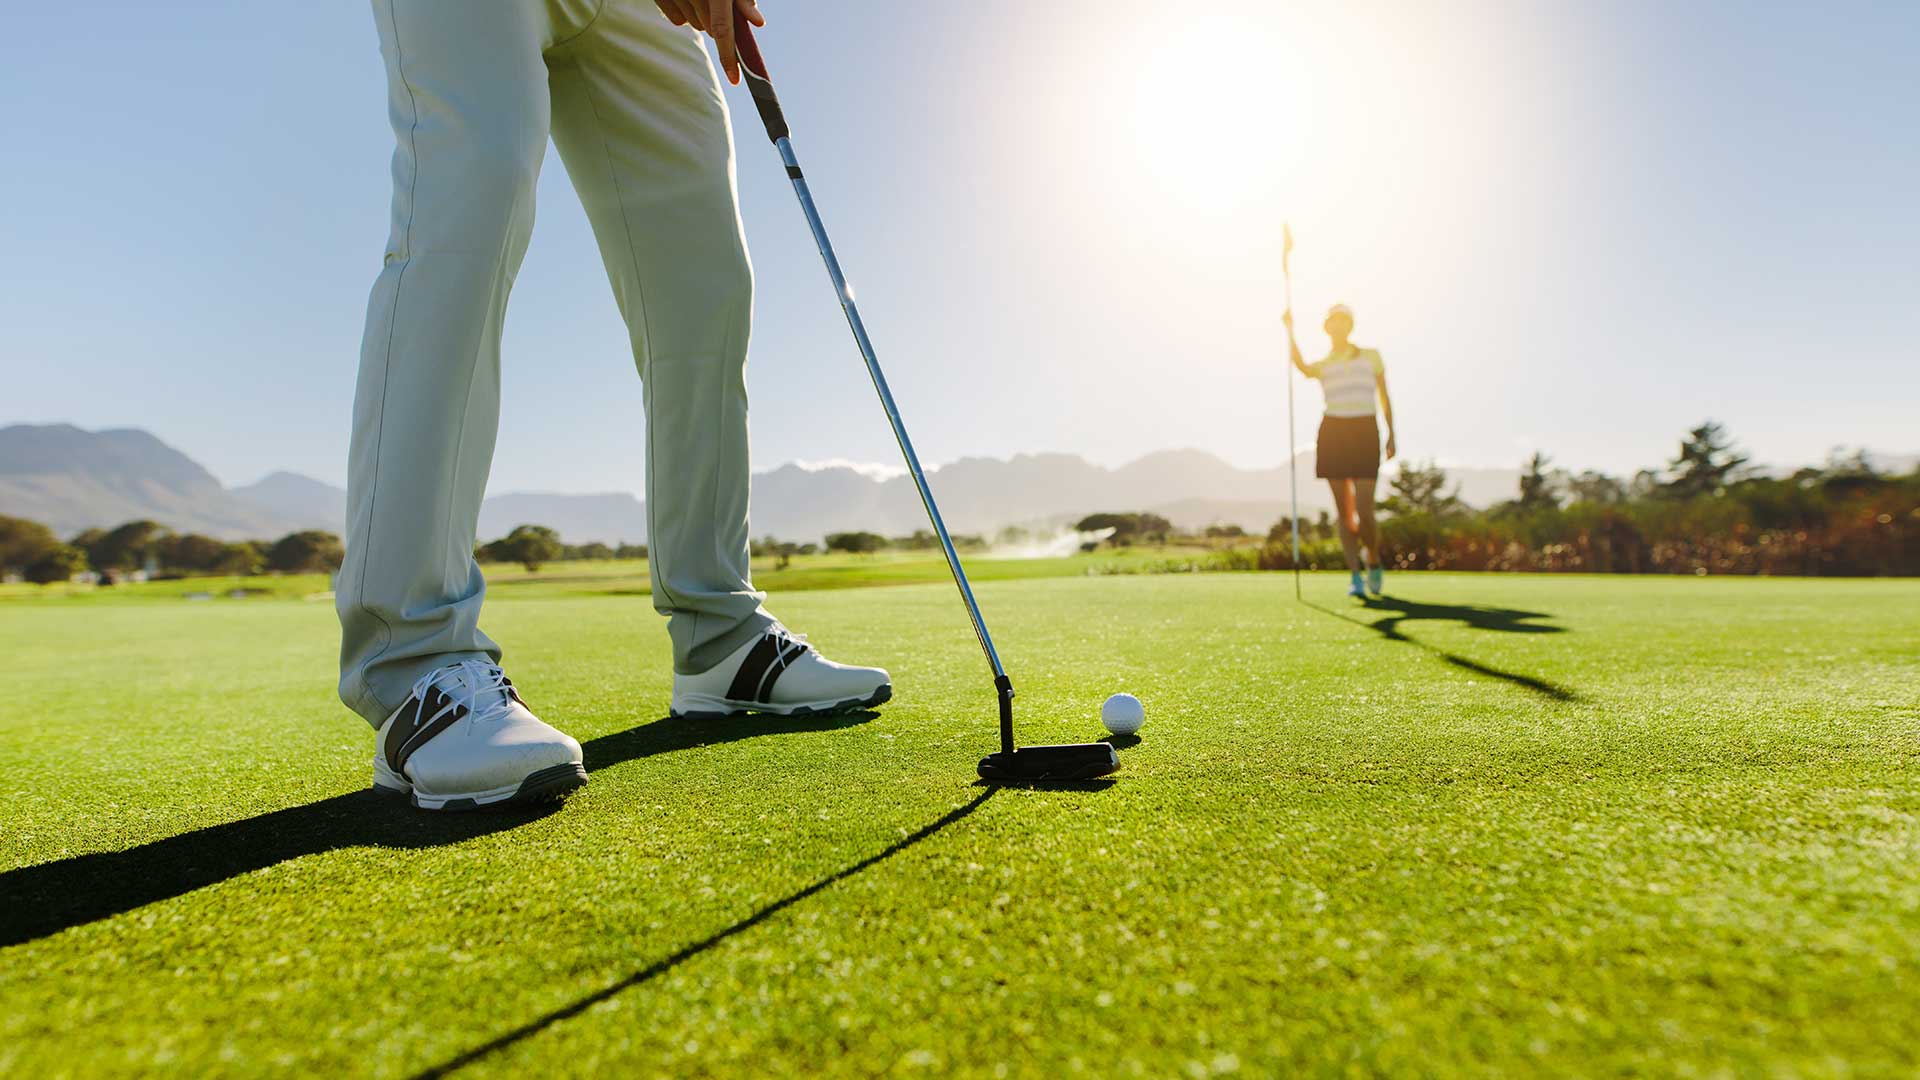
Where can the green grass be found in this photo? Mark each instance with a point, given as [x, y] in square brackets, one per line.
[1672, 828]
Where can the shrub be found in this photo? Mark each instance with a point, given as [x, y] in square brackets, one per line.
[24, 544]
[531, 546]
[312, 551]
[58, 563]
[857, 543]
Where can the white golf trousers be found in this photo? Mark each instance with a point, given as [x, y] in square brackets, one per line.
[476, 87]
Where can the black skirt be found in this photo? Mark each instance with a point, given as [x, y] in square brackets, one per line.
[1348, 449]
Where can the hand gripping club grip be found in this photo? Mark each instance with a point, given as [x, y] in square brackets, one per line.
[759, 83]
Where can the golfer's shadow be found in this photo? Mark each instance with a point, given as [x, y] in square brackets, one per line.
[1503, 620]
[687, 952]
[45, 899]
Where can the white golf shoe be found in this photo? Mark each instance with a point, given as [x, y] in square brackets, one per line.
[465, 740]
[778, 673]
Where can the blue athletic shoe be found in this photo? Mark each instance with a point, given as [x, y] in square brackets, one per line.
[1358, 588]
[1376, 581]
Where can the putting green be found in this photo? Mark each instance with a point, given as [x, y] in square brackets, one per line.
[1511, 824]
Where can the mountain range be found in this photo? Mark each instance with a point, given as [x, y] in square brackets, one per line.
[71, 479]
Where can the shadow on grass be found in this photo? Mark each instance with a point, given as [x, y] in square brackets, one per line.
[1504, 620]
[662, 966]
[45, 899]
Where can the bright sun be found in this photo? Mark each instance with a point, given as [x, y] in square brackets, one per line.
[1210, 127]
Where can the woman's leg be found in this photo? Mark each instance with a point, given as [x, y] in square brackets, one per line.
[1364, 522]
[1343, 515]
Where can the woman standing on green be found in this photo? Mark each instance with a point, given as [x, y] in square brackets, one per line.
[1347, 454]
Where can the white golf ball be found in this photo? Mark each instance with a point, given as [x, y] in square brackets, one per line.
[1123, 714]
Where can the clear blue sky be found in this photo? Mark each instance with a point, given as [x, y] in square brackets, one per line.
[1577, 227]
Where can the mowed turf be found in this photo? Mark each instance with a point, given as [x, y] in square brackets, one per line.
[1505, 824]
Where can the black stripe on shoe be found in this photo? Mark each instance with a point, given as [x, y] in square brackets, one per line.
[409, 735]
[790, 651]
[753, 670]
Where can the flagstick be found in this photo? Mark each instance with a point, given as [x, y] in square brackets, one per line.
[1293, 471]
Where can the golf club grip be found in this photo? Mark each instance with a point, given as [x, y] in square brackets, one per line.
[759, 83]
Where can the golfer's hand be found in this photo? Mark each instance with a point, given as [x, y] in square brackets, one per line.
[715, 19]
[1286, 319]
[1391, 449]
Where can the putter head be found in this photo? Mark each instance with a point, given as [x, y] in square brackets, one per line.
[1068, 761]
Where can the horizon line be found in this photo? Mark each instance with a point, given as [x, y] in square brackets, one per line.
[885, 472]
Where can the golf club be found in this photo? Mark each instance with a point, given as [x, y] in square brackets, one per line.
[1072, 761]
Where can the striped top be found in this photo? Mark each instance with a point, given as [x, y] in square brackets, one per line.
[1348, 381]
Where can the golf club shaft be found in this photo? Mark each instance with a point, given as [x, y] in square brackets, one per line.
[760, 85]
[859, 329]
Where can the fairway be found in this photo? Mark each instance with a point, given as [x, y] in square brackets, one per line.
[1541, 824]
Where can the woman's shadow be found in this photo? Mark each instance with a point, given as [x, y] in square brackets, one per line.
[1504, 620]
[50, 897]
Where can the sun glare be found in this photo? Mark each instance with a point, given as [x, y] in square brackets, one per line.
[1208, 127]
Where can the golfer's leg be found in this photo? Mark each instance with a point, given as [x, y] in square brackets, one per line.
[641, 125]
[468, 96]
[1369, 525]
[1343, 517]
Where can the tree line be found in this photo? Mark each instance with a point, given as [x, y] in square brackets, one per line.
[533, 546]
[1706, 512]
[32, 551]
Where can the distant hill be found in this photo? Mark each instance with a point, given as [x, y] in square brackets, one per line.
[1191, 488]
[69, 479]
[73, 479]
[314, 504]
[612, 518]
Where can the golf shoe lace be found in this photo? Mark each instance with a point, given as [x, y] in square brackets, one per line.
[780, 630]
[792, 646]
[477, 686]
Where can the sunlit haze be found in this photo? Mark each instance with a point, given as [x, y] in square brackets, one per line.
[1579, 228]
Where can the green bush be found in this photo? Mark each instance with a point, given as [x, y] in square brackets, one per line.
[532, 546]
[856, 543]
[312, 551]
[57, 564]
[23, 544]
